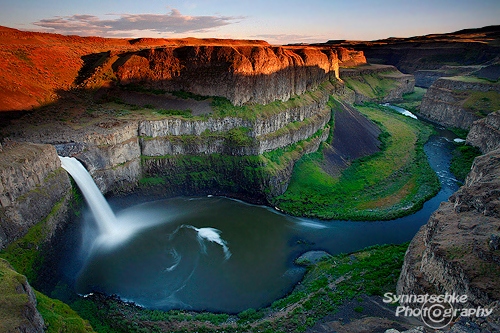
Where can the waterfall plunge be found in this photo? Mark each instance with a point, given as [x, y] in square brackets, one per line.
[112, 230]
[105, 218]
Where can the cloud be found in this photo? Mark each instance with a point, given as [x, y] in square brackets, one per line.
[173, 22]
[282, 39]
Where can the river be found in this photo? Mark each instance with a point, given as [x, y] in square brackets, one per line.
[224, 255]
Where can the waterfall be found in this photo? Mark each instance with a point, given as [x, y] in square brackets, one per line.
[112, 229]
[104, 216]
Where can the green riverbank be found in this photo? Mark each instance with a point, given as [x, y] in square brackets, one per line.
[391, 183]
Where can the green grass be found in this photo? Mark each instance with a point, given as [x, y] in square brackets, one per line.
[24, 254]
[482, 103]
[170, 112]
[59, 317]
[373, 85]
[12, 301]
[461, 161]
[222, 107]
[385, 185]
[411, 101]
[151, 181]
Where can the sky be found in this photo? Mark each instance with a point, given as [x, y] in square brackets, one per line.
[276, 21]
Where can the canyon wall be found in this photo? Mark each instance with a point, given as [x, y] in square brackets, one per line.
[459, 101]
[377, 83]
[485, 133]
[119, 154]
[458, 250]
[185, 155]
[33, 187]
[18, 311]
[242, 74]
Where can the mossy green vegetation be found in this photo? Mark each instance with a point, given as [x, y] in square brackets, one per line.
[222, 107]
[12, 302]
[482, 103]
[325, 287]
[412, 101]
[59, 317]
[248, 174]
[24, 254]
[170, 112]
[389, 184]
[462, 159]
[373, 85]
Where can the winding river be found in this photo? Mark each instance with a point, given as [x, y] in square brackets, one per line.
[224, 255]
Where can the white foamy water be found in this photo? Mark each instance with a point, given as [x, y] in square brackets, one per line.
[112, 230]
[401, 110]
[311, 224]
[211, 235]
[103, 214]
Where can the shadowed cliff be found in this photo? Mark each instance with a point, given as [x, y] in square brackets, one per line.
[38, 66]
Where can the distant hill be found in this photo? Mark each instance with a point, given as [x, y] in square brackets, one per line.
[468, 47]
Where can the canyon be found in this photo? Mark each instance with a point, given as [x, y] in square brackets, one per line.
[119, 106]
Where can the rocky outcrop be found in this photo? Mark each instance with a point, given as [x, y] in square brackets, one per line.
[239, 176]
[451, 101]
[109, 149]
[242, 74]
[457, 250]
[32, 184]
[485, 133]
[377, 83]
[18, 311]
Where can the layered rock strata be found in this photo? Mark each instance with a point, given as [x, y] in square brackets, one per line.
[242, 74]
[458, 250]
[485, 133]
[377, 83]
[445, 101]
[33, 187]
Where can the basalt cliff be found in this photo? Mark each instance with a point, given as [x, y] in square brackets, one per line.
[459, 101]
[461, 71]
[254, 74]
[172, 116]
[458, 250]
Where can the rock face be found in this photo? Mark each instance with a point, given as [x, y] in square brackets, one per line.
[485, 133]
[425, 78]
[242, 74]
[377, 83]
[32, 185]
[118, 153]
[18, 311]
[429, 52]
[450, 101]
[457, 250]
